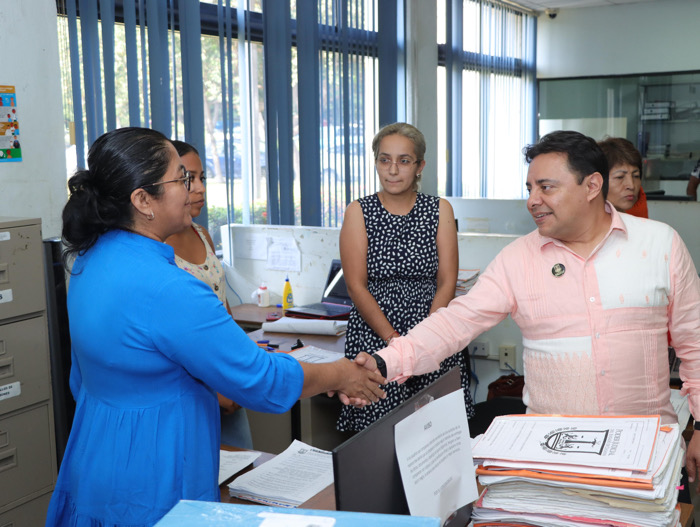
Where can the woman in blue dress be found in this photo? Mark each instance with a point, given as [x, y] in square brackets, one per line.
[152, 345]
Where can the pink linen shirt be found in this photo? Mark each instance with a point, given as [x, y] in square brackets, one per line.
[594, 338]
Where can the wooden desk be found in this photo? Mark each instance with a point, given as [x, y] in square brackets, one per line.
[311, 420]
[325, 500]
[287, 340]
[251, 317]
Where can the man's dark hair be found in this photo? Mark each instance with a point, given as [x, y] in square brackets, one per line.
[584, 156]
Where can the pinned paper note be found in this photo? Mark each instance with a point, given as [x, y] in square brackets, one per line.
[283, 254]
[434, 454]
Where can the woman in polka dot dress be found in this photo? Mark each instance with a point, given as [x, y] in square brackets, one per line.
[400, 260]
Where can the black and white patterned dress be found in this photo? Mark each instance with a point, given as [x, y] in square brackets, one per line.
[402, 264]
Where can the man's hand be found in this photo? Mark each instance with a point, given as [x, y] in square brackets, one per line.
[692, 457]
[363, 382]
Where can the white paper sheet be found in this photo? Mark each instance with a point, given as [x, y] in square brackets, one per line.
[232, 462]
[283, 254]
[306, 325]
[316, 355]
[680, 406]
[250, 245]
[433, 449]
[614, 442]
[287, 480]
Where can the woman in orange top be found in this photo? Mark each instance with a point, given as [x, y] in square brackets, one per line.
[625, 182]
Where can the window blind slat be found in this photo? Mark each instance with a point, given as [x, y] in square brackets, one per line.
[91, 70]
[107, 19]
[132, 62]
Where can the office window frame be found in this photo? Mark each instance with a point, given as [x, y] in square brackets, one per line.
[483, 50]
[315, 208]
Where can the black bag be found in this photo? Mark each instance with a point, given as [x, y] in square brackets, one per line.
[506, 385]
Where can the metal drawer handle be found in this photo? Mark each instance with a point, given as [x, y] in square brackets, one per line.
[6, 368]
[8, 459]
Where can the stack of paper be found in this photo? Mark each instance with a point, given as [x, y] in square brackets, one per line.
[578, 471]
[307, 326]
[287, 480]
[316, 355]
[466, 278]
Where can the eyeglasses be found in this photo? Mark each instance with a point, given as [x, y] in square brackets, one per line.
[186, 180]
[384, 163]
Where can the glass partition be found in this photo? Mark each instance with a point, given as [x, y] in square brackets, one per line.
[659, 113]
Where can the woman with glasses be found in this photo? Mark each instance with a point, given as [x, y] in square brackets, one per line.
[399, 253]
[152, 345]
[194, 252]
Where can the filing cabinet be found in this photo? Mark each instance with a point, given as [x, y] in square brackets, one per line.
[27, 444]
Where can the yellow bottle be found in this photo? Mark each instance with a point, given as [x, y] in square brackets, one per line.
[287, 297]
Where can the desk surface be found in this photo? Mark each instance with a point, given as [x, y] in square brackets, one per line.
[285, 341]
[325, 500]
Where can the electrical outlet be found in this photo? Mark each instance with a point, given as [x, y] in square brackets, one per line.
[479, 348]
[506, 357]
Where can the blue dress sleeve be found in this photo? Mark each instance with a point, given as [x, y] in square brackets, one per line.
[192, 327]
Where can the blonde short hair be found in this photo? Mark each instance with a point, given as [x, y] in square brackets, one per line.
[406, 130]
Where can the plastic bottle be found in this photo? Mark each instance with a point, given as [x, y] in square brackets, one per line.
[263, 295]
[287, 297]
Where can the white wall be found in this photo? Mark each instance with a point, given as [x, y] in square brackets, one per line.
[511, 217]
[622, 39]
[36, 186]
[318, 246]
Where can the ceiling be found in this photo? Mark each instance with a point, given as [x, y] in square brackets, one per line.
[541, 5]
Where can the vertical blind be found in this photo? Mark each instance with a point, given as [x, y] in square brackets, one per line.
[489, 59]
[278, 97]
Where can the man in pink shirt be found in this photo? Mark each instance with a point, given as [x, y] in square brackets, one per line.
[594, 292]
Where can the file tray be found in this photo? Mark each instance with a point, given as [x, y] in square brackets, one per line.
[204, 513]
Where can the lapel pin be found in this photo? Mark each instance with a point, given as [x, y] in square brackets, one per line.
[558, 270]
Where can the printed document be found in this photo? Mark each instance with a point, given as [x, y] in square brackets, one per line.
[231, 463]
[613, 442]
[287, 480]
[434, 454]
[316, 355]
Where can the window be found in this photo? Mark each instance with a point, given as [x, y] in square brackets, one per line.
[283, 123]
[486, 69]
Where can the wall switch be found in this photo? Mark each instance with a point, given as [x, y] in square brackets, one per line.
[479, 348]
[506, 357]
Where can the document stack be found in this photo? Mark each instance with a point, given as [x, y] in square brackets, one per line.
[287, 480]
[557, 471]
[466, 278]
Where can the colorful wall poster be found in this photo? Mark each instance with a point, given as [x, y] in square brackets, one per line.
[10, 149]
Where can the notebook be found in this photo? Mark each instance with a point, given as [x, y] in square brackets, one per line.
[335, 302]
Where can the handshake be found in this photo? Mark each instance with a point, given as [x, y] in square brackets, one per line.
[359, 382]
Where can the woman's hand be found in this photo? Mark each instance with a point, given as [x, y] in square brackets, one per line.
[227, 405]
[355, 383]
[362, 384]
[366, 361]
